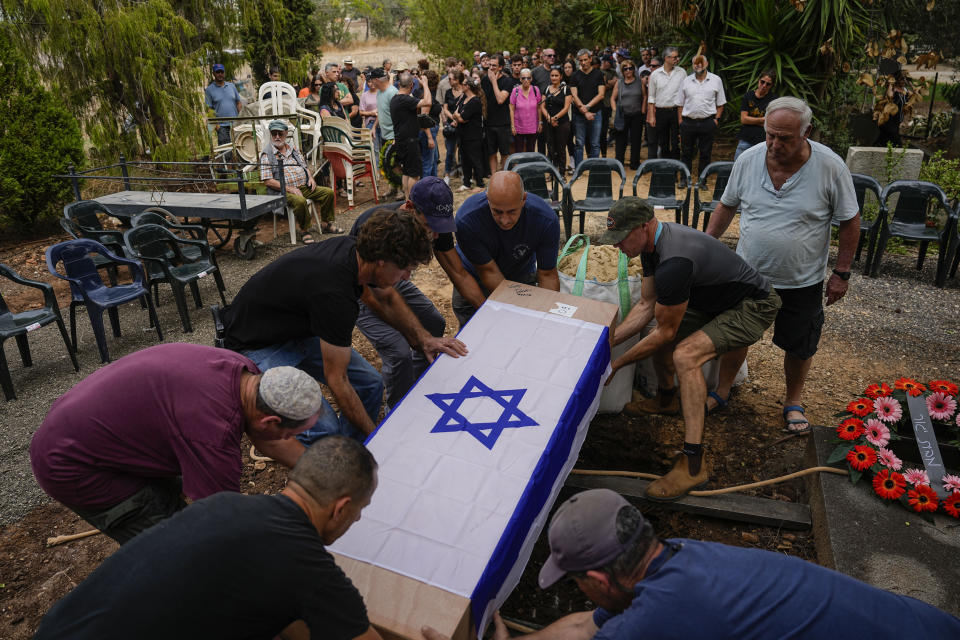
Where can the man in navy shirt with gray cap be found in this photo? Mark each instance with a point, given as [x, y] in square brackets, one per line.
[649, 589]
[432, 200]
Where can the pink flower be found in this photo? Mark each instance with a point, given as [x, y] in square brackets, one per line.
[888, 409]
[951, 483]
[877, 433]
[889, 459]
[958, 419]
[916, 476]
[941, 406]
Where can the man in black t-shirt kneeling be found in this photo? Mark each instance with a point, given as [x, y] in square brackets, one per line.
[401, 364]
[301, 309]
[706, 300]
[236, 566]
[406, 129]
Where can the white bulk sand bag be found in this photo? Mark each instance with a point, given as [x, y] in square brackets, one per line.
[603, 272]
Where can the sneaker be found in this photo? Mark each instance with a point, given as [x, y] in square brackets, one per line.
[464, 187]
[678, 482]
[446, 180]
[658, 405]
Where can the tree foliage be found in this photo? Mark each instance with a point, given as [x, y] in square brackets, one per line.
[458, 27]
[38, 138]
[384, 17]
[133, 71]
[282, 34]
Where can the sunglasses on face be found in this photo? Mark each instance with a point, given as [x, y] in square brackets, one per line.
[278, 134]
[628, 68]
[766, 83]
[525, 78]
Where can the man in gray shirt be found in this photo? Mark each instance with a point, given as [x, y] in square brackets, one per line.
[706, 300]
[789, 191]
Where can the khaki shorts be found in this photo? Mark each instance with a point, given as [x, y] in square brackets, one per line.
[740, 326]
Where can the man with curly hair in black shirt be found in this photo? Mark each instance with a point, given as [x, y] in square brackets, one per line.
[301, 310]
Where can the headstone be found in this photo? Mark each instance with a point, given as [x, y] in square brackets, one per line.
[872, 161]
[881, 544]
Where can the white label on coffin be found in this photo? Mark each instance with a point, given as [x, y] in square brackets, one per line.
[33, 327]
[565, 310]
[458, 452]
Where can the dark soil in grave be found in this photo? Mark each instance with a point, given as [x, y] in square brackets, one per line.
[898, 324]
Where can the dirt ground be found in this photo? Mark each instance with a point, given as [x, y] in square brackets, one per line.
[895, 325]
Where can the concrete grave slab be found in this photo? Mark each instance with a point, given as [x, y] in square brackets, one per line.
[872, 162]
[881, 544]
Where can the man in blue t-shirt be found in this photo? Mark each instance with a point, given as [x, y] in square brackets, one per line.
[506, 234]
[224, 99]
[648, 588]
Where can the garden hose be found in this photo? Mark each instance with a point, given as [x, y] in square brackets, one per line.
[714, 492]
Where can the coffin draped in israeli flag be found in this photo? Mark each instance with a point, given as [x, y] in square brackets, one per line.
[472, 459]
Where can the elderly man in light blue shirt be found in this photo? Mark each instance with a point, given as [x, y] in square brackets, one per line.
[789, 191]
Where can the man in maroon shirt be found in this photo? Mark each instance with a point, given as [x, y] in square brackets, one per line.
[124, 445]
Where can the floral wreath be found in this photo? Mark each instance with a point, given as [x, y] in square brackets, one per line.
[389, 167]
[865, 431]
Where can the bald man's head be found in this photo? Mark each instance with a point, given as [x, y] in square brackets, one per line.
[506, 197]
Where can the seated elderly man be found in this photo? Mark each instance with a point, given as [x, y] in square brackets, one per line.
[121, 446]
[506, 234]
[707, 301]
[298, 183]
[645, 587]
[236, 566]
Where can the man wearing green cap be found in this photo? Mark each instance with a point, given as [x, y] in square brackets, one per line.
[706, 301]
[298, 184]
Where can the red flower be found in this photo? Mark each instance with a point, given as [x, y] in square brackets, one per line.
[862, 457]
[922, 498]
[875, 391]
[851, 429]
[952, 504]
[910, 385]
[860, 407]
[889, 485]
[946, 387]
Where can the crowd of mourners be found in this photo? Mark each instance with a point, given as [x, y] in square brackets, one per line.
[132, 443]
[565, 107]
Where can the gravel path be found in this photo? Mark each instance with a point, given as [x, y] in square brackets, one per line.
[897, 324]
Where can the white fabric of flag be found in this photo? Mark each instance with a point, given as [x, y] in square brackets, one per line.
[471, 460]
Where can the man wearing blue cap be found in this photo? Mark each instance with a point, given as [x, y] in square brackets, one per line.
[224, 99]
[432, 200]
[677, 588]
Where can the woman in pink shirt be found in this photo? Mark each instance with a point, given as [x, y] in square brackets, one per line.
[525, 113]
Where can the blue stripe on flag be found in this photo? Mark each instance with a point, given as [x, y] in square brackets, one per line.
[541, 482]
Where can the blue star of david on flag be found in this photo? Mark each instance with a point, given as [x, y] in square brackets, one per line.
[510, 418]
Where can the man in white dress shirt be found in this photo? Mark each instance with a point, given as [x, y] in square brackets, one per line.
[701, 105]
[664, 94]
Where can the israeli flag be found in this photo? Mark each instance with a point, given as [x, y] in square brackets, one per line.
[472, 459]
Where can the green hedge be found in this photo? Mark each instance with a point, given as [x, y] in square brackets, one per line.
[38, 139]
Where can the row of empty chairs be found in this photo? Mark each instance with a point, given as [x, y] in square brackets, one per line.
[155, 249]
[902, 206]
